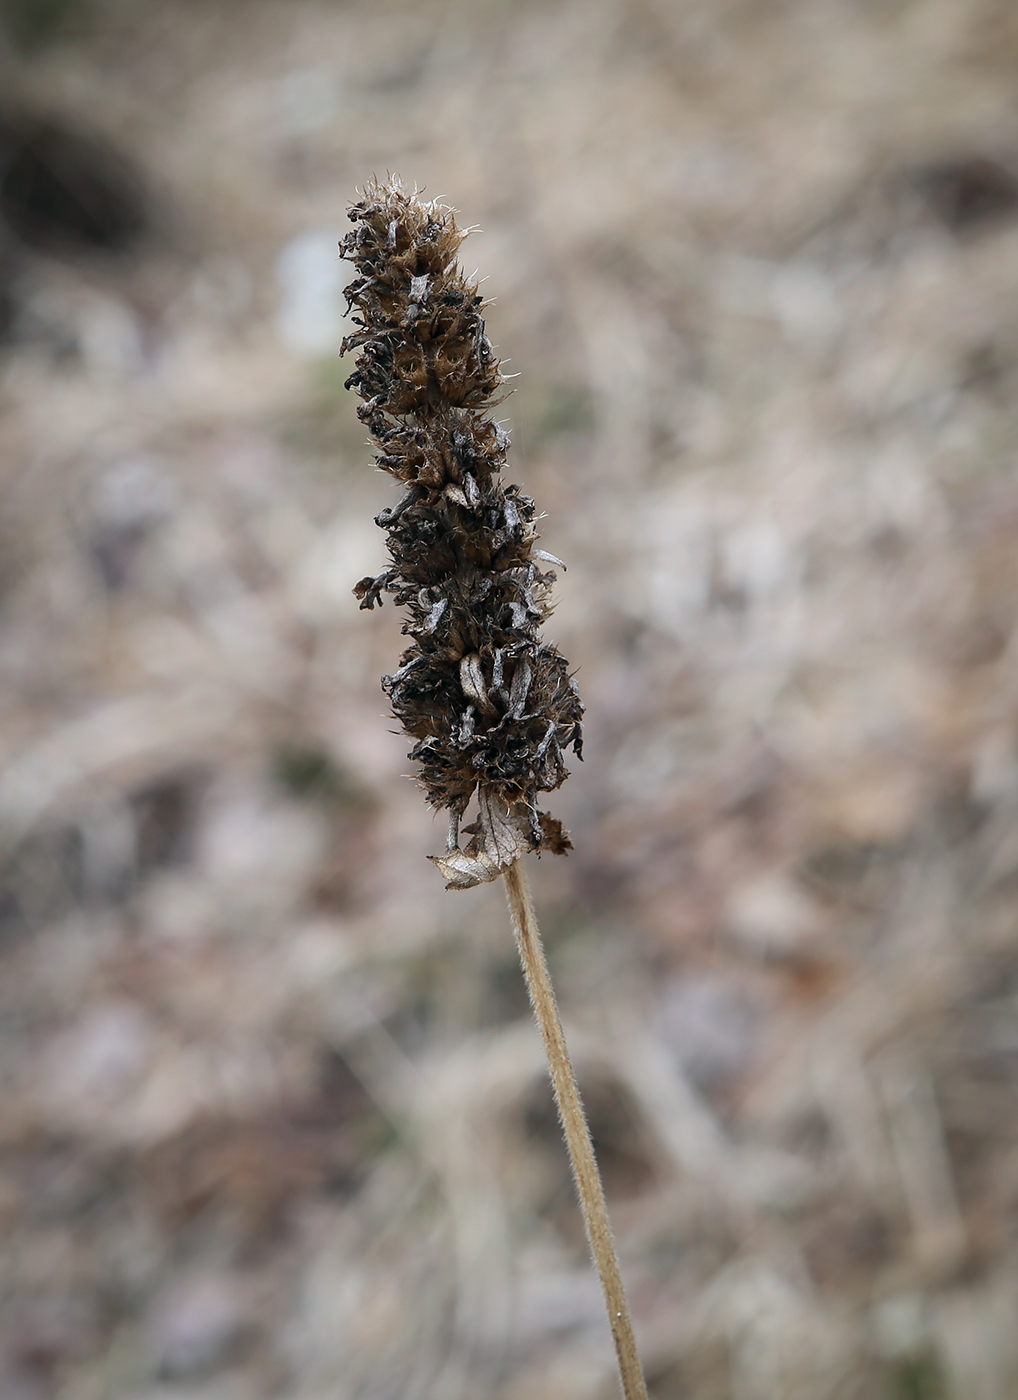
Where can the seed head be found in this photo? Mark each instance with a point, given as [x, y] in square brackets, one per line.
[490, 706]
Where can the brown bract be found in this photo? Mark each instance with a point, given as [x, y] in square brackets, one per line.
[491, 707]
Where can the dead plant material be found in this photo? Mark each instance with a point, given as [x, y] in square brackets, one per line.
[490, 706]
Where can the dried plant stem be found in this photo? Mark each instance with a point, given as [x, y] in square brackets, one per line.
[577, 1133]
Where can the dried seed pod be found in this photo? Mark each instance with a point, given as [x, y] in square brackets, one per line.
[491, 707]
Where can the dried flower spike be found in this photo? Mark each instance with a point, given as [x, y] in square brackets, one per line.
[491, 707]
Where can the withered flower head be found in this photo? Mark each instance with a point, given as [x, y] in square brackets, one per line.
[491, 707]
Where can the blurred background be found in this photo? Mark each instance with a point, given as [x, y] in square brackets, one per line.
[275, 1116]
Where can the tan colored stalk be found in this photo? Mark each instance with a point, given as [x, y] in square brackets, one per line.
[577, 1133]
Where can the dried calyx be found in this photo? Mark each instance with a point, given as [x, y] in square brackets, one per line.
[491, 707]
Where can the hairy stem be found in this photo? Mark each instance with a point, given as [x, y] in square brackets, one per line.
[577, 1133]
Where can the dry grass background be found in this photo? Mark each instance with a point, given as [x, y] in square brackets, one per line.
[275, 1116]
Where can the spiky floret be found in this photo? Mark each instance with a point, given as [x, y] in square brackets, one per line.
[491, 707]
